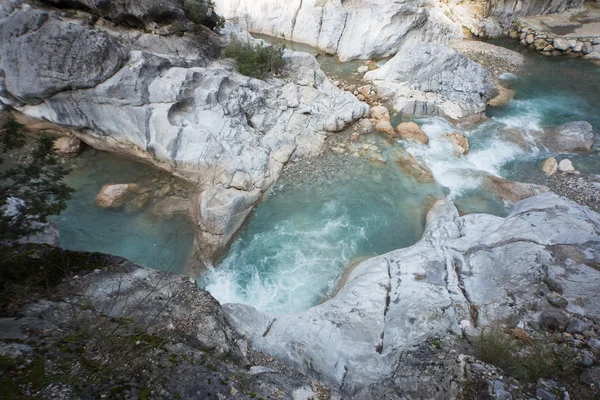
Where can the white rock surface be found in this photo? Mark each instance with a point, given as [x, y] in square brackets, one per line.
[351, 29]
[171, 104]
[390, 304]
[433, 79]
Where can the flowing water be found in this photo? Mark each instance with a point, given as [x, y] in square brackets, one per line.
[138, 236]
[296, 244]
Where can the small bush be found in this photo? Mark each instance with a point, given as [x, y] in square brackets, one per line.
[496, 348]
[258, 61]
[203, 13]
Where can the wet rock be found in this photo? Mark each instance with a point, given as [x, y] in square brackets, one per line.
[114, 196]
[503, 98]
[164, 189]
[460, 143]
[362, 69]
[511, 190]
[385, 127]
[572, 136]
[557, 300]
[414, 167]
[137, 203]
[550, 166]
[566, 166]
[219, 213]
[411, 131]
[587, 48]
[68, 146]
[171, 206]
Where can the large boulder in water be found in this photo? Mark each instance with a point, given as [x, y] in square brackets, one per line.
[472, 270]
[433, 79]
[114, 196]
[572, 136]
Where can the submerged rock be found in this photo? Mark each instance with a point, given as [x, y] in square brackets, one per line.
[68, 146]
[409, 164]
[371, 331]
[411, 131]
[433, 79]
[114, 196]
[510, 190]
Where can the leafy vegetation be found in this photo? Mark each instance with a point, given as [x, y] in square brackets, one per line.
[31, 191]
[255, 60]
[527, 361]
[203, 13]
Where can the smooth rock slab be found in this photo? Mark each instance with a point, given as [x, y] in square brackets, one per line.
[572, 136]
[389, 305]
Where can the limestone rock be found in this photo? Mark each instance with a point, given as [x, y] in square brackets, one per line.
[365, 126]
[433, 79]
[557, 300]
[385, 127]
[68, 146]
[219, 213]
[31, 40]
[114, 196]
[389, 305]
[550, 166]
[411, 131]
[137, 203]
[561, 44]
[460, 143]
[510, 190]
[171, 206]
[572, 136]
[379, 113]
[349, 29]
[409, 164]
[566, 166]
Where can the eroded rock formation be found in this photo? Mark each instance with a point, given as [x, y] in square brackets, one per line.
[464, 272]
[168, 101]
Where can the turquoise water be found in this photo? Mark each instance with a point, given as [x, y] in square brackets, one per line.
[139, 237]
[297, 243]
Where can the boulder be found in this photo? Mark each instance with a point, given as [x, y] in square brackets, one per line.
[460, 142]
[566, 166]
[137, 203]
[114, 196]
[410, 165]
[385, 127]
[411, 131]
[510, 190]
[68, 146]
[433, 79]
[572, 136]
[379, 113]
[578, 326]
[561, 44]
[219, 213]
[550, 166]
[171, 206]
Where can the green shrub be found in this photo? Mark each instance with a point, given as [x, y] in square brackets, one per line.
[203, 13]
[258, 61]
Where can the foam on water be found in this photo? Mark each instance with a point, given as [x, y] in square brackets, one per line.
[489, 152]
[299, 241]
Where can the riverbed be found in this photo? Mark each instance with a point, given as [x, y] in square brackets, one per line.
[325, 214]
